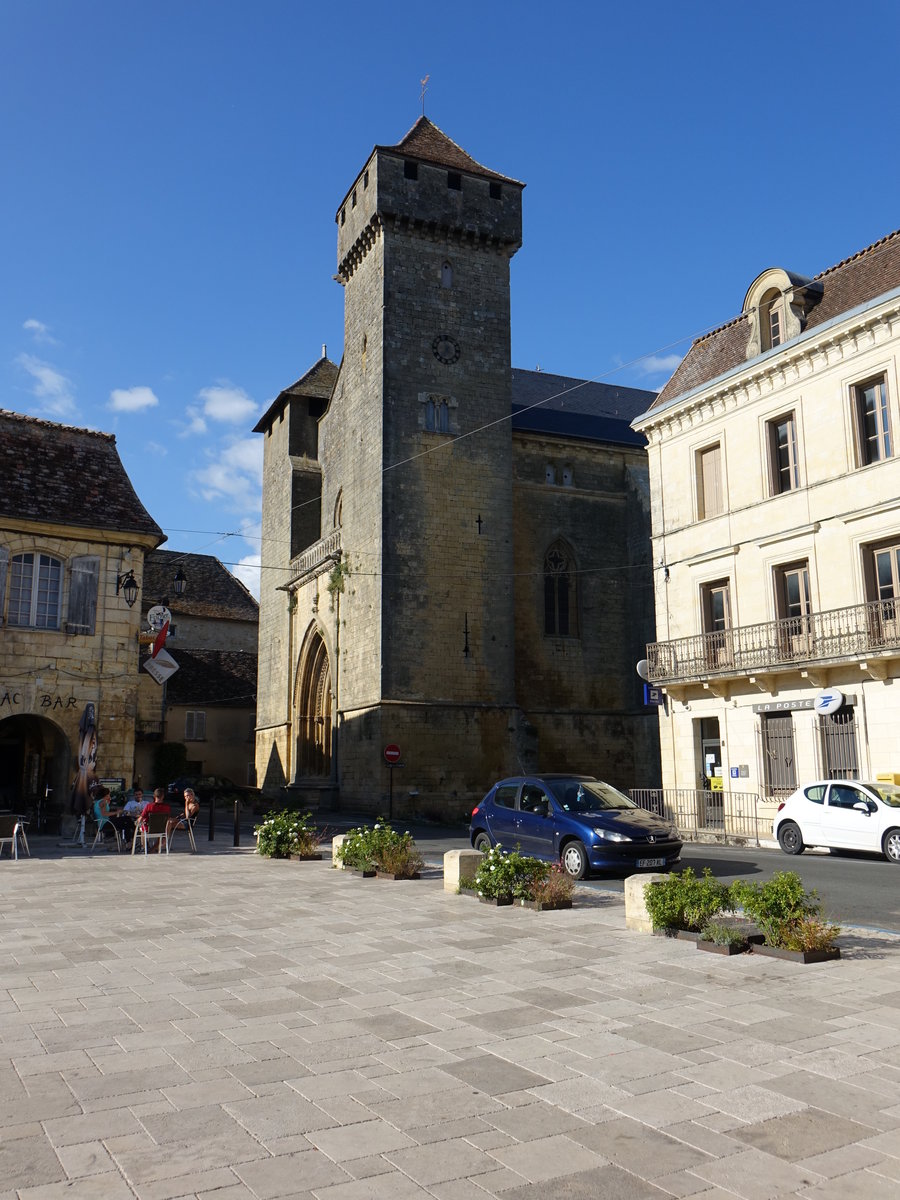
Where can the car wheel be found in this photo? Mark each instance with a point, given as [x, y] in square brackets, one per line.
[482, 842]
[574, 860]
[789, 838]
[890, 844]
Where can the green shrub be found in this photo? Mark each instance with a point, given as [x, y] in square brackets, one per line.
[810, 933]
[556, 887]
[379, 847]
[782, 908]
[284, 833]
[685, 902]
[501, 875]
[723, 935]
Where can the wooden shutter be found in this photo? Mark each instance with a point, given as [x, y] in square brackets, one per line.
[84, 576]
[711, 481]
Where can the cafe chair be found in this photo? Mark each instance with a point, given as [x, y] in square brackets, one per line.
[102, 821]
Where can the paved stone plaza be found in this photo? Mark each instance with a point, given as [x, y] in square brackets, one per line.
[219, 1026]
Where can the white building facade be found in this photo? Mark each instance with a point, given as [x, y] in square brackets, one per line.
[775, 482]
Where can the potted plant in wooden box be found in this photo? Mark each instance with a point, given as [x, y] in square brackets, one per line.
[681, 905]
[287, 834]
[790, 919]
[380, 850]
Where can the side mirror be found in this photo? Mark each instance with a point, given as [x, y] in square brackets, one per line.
[863, 806]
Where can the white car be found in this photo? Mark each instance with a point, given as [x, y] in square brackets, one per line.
[841, 813]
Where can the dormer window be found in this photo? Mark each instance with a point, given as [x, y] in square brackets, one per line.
[776, 306]
[771, 320]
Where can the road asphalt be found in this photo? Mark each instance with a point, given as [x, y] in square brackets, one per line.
[223, 1027]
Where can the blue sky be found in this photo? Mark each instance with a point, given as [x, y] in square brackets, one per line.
[171, 174]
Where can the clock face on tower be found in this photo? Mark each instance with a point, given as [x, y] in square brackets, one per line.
[445, 348]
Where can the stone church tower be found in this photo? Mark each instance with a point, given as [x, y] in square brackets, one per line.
[390, 480]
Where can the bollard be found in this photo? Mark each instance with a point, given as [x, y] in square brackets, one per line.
[237, 822]
[460, 865]
[212, 818]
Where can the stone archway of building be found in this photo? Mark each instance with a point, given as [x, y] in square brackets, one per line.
[313, 710]
[35, 769]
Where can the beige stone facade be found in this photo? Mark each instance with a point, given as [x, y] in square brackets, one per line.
[776, 537]
[413, 503]
[67, 639]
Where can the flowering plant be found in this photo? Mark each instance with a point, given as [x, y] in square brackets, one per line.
[381, 847]
[284, 833]
[501, 875]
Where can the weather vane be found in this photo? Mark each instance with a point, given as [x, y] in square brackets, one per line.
[424, 83]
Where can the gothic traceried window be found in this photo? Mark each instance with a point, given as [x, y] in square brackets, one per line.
[560, 592]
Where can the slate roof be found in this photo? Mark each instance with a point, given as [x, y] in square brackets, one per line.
[577, 408]
[427, 143]
[212, 591]
[317, 384]
[864, 276]
[224, 678]
[66, 475]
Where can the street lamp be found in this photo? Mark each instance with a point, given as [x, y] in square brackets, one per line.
[128, 585]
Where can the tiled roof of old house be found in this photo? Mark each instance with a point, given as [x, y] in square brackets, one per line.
[68, 476]
[214, 677]
[212, 591]
[427, 143]
[862, 277]
[317, 384]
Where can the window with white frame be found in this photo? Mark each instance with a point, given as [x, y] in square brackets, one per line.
[195, 726]
[35, 584]
[784, 469]
[872, 420]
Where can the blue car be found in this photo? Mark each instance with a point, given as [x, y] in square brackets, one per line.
[576, 820]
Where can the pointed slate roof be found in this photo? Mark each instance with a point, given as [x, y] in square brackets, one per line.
[67, 475]
[427, 143]
[855, 280]
[317, 384]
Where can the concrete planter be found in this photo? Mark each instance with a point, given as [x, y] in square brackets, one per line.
[546, 906]
[494, 901]
[395, 875]
[362, 872]
[798, 956]
[306, 858]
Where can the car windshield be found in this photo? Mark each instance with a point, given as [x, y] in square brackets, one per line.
[888, 793]
[582, 795]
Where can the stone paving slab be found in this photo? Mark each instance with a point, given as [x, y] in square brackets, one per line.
[246, 1030]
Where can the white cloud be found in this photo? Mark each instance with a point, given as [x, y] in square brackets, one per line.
[228, 404]
[156, 448]
[50, 386]
[234, 474]
[132, 400]
[248, 572]
[39, 331]
[196, 424]
[659, 364]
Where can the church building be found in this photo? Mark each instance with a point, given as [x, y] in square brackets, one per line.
[455, 554]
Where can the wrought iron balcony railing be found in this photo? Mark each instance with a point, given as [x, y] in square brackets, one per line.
[317, 558]
[841, 633]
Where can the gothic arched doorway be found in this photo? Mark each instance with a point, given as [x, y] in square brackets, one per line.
[35, 767]
[313, 709]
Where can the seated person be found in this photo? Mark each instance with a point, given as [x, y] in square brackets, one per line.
[134, 806]
[122, 822]
[157, 804]
[191, 808]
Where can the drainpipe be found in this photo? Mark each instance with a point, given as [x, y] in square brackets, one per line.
[288, 722]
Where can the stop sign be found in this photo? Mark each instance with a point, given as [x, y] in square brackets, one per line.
[392, 754]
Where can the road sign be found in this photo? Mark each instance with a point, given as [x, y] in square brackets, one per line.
[392, 754]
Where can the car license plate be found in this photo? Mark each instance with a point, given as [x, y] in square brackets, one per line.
[650, 862]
